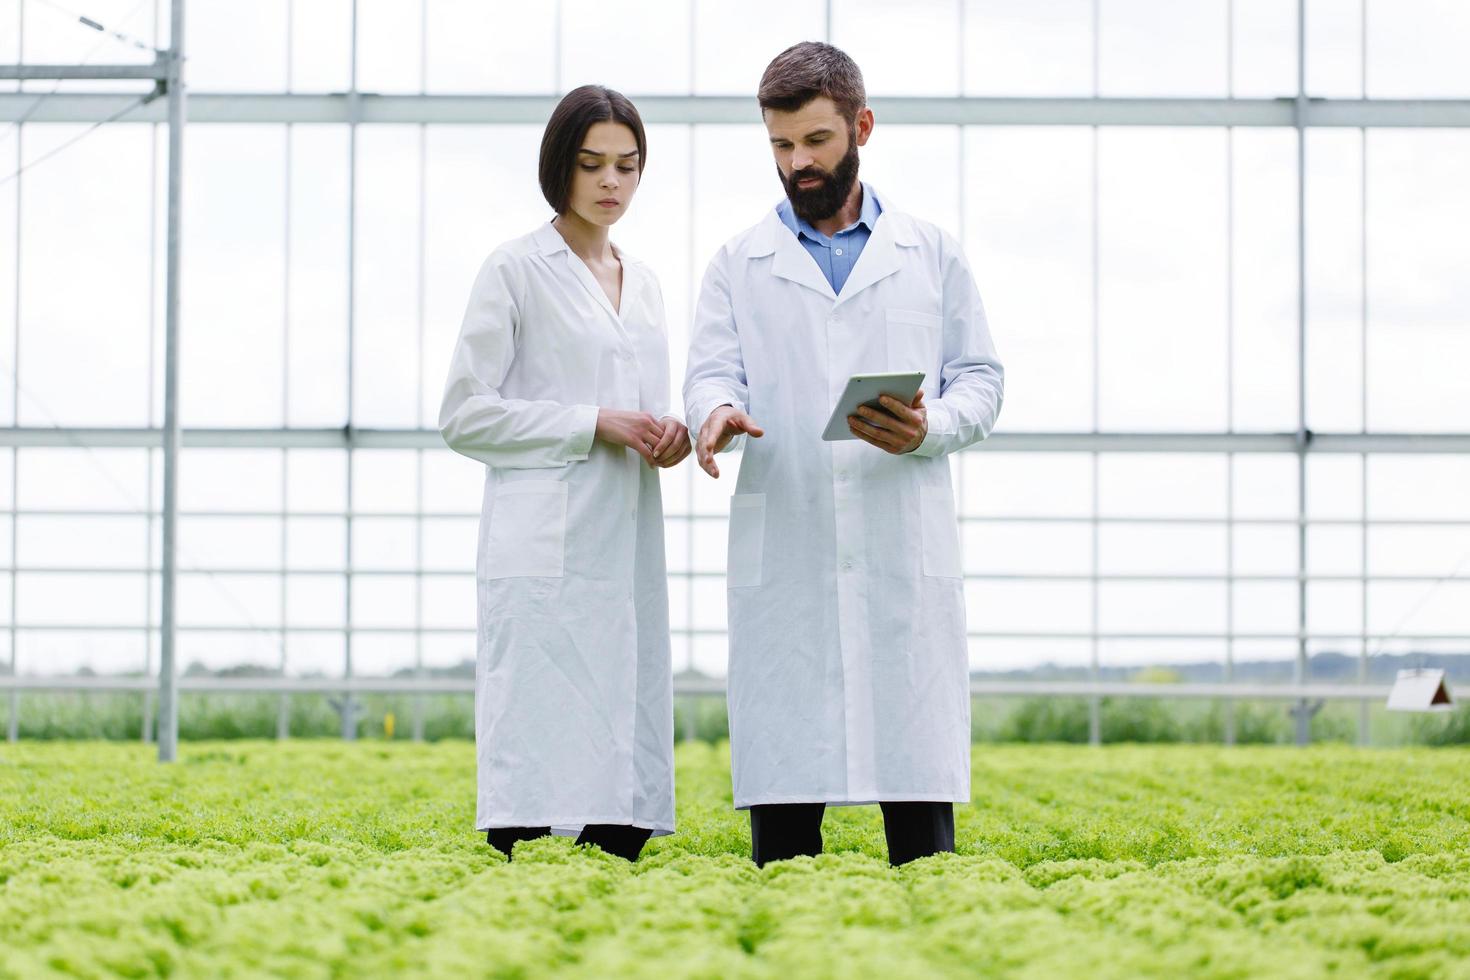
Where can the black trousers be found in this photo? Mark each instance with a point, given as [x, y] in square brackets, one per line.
[624, 841]
[786, 830]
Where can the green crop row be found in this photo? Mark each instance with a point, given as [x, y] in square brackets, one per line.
[1037, 719]
[319, 858]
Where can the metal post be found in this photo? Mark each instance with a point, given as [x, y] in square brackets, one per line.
[1094, 704]
[349, 703]
[1364, 723]
[1301, 712]
[168, 690]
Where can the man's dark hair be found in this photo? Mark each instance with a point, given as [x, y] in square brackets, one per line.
[807, 70]
[567, 127]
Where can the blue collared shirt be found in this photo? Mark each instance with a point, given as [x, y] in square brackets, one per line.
[835, 255]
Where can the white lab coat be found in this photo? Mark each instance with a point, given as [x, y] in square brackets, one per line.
[848, 677]
[573, 692]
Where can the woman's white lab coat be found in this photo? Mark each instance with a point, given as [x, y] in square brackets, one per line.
[573, 693]
[849, 674]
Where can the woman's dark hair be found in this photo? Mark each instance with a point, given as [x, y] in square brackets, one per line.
[809, 69]
[567, 127]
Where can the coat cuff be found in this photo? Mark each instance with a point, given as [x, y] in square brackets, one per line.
[941, 427]
[584, 431]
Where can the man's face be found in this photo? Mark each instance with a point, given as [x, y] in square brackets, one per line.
[816, 154]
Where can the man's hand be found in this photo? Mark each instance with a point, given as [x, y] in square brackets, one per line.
[671, 449]
[901, 429]
[638, 431]
[723, 424]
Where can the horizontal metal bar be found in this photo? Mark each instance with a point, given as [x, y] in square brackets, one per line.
[672, 515]
[1050, 442]
[155, 71]
[275, 628]
[451, 109]
[699, 573]
[699, 686]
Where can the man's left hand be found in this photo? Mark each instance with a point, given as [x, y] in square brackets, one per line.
[898, 430]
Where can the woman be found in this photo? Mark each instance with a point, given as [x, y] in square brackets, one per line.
[559, 384]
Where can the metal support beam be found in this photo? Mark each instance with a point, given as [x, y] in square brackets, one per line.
[157, 71]
[708, 686]
[168, 707]
[367, 108]
[1000, 442]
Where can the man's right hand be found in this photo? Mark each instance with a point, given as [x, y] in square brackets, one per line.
[723, 424]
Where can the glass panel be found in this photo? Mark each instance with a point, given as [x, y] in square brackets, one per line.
[1025, 47]
[917, 167]
[1020, 547]
[1163, 288]
[1335, 48]
[637, 55]
[387, 315]
[390, 45]
[1155, 47]
[232, 48]
[1161, 607]
[448, 601]
[1028, 607]
[1402, 487]
[1416, 49]
[1264, 63]
[1028, 195]
[233, 283]
[999, 484]
[1162, 485]
[316, 344]
[491, 47]
[1418, 292]
[1156, 549]
[82, 479]
[78, 542]
[321, 50]
[480, 191]
[54, 653]
[902, 49]
[50, 598]
[734, 42]
[84, 298]
[1264, 298]
[230, 480]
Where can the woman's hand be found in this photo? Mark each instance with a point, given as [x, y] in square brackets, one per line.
[673, 446]
[639, 431]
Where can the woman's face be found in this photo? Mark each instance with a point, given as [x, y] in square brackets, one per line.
[606, 173]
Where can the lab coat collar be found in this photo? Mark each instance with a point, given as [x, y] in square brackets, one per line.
[879, 260]
[549, 242]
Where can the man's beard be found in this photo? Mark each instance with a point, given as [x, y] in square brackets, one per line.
[826, 199]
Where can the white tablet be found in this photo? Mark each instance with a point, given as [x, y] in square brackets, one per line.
[864, 389]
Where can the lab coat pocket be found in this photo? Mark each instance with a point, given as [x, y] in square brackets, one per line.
[747, 540]
[913, 343]
[528, 530]
[940, 534]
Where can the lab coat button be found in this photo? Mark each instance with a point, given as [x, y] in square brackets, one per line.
[849, 565]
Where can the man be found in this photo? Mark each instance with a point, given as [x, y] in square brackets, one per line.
[849, 673]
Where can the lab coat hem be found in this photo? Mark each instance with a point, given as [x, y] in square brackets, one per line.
[865, 800]
[570, 828]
